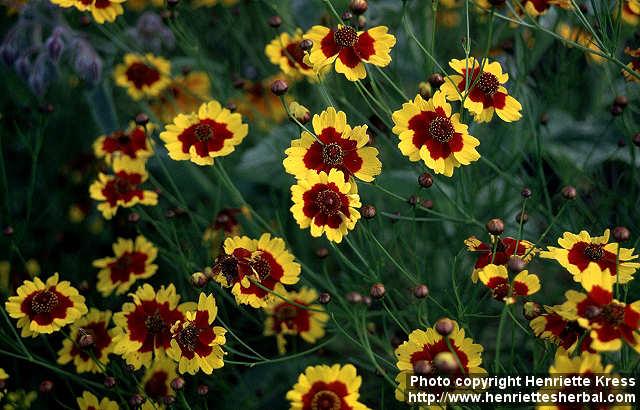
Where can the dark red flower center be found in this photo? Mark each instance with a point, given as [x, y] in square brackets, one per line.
[203, 132]
[188, 337]
[613, 313]
[325, 400]
[123, 186]
[501, 291]
[332, 154]
[261, 267]
[593, 251]
[488, 83]
[287, 314]
[44, 302]
[441, 129]
[345, 36]
[155, 323]
[328, 202]
[227, 265]
[141, 74]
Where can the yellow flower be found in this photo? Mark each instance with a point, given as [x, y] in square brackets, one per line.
[284, 318]
[90, 402]
[299, 112]
[131, 261]
[212, 132]
[143, 76]
[326, 204]
[335, 387]
[496, 278]
[101, 10]
[45, 307]
[630, 11]
[20, 400]
[485, 92]
[184, 94]
[94, 325]
[536, 8]
[3, 382]
[335, 146]
[156, 381]
[196, 344]
[428, 130]
[285, 52]
[578, 35]
[126, 147]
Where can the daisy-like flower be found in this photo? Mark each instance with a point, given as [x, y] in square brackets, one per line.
[123, 189]
[428, 130]
[196, 344]
[424, 346]
[496, 278]
[20, 399]
[326, 204]
[246, 262]
[143, 75]
[45, 307]
[90, 402]
[580, 251]
[94, 325]
[285, 52]
[284, 318]
[184, 94]
[157, 378]
[350, 49]
[323, 387]
[338, 146]
[585, 39]
[505, 247]
[633, 65]
[126, 146]
[259, 105]
[565, 333]
[609, 321]
[144, 325]
[536, 8]
[630, 11]
[200, 137]
[101, 10]
[131, 261]
[485, 92]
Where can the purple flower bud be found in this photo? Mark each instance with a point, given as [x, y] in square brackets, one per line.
[87, 63]
[41, 75]
[22, 66]
[10, 47]
[55, 47]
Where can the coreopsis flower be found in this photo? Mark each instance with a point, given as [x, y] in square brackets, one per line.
[94, 325]
[449, 15]
[45, 307]
[200, 137]
[143, 76]
[350, 49]
[122, 189]
[580, 251]
[90, 402]
[326, 203]
[567, 334]
[139, 5]
[424, 346]
[536, 8]
[496, 278]
[101, 10]
[184, 94]
[633, 65]
[285, 52]
[144, 325]
[247, 262]
[132, 260]
[324, 387]
[609, 321]
[20, 399]
[195, 343]
[299, 112]
[505, 247]
[335, 146]
[630, 11]
[284, 318]
[585, 39]
[259, 104]
[157, 378]
[429, 130]
[126, 146]
[481, 85]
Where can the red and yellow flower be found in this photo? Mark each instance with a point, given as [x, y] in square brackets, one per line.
[247, 262]
[580, 251]
[195, 343]
[536, 8]
[350, 49]
[45, 307]
[505, 247]
[285, 52]
[122, 189]
[585, 39]
[428, 130]
[565, 333]
[326, 203]
[131, 261]
[95, 325]
[633, 65]
[496, 278]
[630, 11]
[335, 146]
[101, 10]
[200, 137]
[323, 387]
[184, 94]
[157, 378]
[125, 147]
[90, 402]
[143, 76]
[259, 105]
[609, 321]
[481, 85]
[303, 317]
[144, 325]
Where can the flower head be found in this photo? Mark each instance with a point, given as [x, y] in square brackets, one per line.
[428, 130]
[505, 247]
[157, 378]
[90, 402]
[184, 94]
[94, 325]
[143, 76]
[633, 65]
[335, 146]
[127, 146]
[45, 307]
[285, 52]
[350, 49]
[630, 11]
[195, 343]
[326, 203]
[578, 252]
[101, 10]
[496, 278]
[555, 328]
[200, 137]
[284, 318]
[536, 8]
[485, 92]
[132, 260]
[324, 387]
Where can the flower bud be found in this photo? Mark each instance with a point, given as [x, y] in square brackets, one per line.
[7, 230]
[354, 297]
[436, 80]
[86, 63]
[299, 112]
[425, 180]
[516, 264]
[109, 382]
[368, 211]
[636, 139]
[544, 118]
[199, 280]
[46, 386]
[422, 367]
[621, 234]
[22, 66]
[446, 362]
[136, 401]
[324, 298]
[54, 46]
[424, 89]
[177, 383]
[495, 226]
[526, 192]
[275, 21]
[279, 87]
[322, 252]
[426, 203]
[377, 291]
[522, 217]
[358, 7]
[444, 326]
[531, 310]
[306, 45]
[569, 192]
[621, 101]
[142, 119]
[421, 291]
[86, 339]
[203, 390]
